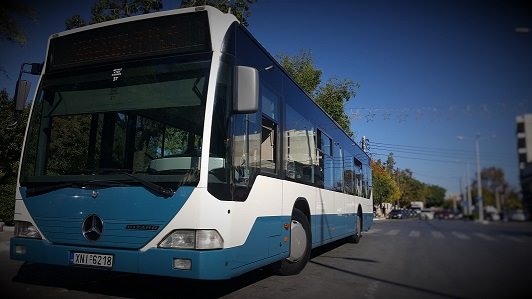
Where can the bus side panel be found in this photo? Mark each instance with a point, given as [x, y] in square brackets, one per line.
[332, 213]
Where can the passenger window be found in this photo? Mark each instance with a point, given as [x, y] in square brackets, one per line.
[268, 146]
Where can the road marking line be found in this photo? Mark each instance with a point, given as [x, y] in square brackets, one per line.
[373, 231]
[460, 236]
[512, 238]
[414, 233]
[393, 232]
[485, 237]
[436, 234]
[371, 290]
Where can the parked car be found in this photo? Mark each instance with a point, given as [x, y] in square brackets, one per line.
[446, 215]
[518, 215]
[426, 214]
[396, 214]
[493, 216]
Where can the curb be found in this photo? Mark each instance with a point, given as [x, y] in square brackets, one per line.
[8, 229]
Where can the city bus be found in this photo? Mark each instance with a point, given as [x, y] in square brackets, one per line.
[173, 144]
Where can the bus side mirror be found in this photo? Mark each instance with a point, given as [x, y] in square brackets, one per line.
[246, 90]
[21, 94]
[36, 68]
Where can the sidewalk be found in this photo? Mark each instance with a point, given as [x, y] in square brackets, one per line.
[5, 235]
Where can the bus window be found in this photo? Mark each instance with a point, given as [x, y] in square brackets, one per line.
[328, 165]
[300, 149]
[348, 174]
[338, 168]
[268, 146]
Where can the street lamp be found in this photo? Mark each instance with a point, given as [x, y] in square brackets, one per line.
[479, 181]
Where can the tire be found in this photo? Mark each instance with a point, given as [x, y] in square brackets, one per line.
[300, 245]
[358, 230]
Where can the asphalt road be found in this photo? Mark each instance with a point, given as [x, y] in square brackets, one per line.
[395, 259]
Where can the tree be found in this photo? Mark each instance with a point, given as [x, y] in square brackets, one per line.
[411, 189]
[10, 12]
[239, 8]
[106, 10]
[385, 189]
[331, 96]
[301, 68]
[390, 163]
[9, 155]
[435, 196]
[9, 29]
[495, 186]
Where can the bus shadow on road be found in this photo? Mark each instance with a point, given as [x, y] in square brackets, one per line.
[389, 282]
[131, 285]
[108, 283]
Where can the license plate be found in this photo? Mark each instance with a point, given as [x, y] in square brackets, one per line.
[91, 259]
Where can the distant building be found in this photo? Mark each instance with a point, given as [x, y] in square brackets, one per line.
[524, 151]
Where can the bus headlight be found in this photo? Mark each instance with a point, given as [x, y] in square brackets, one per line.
[193, 239]
[25, 229]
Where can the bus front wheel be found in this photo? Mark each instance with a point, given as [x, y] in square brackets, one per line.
[300, 245]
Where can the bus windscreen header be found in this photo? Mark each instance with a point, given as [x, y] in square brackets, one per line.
[174, 34]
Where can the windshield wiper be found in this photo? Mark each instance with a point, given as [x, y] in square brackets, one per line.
[89, 171]
[52, 187]
[149, 185]
[49, 188]
[165, 192]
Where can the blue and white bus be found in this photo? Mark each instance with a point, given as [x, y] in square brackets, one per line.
[173, 144]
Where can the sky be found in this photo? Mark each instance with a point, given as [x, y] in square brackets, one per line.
[429, 71]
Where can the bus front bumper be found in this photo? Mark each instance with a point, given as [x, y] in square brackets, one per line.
[211, 264]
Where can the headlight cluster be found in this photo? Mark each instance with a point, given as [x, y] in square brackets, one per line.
[25, 229]
[193, 239]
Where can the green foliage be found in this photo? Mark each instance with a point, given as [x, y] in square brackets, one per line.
[385, 189]
[7, 200]
[435, 196]
[106, 10]
[301, 68]
[11, 138]
[9, 155]
[390, 163]
[239, 8]
[331, 96]
[493, 182]
[9, 29]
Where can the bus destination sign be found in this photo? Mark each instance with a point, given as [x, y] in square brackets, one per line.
[173, 34]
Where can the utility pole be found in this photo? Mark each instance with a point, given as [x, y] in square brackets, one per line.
[479, 182]
[469, 203]
[479, 178]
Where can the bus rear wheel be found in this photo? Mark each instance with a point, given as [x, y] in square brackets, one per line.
[300, 245]
[358, 230]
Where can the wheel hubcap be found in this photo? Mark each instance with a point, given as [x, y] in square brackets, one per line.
[298, 241]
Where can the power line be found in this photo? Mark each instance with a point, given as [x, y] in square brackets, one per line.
[432, 149]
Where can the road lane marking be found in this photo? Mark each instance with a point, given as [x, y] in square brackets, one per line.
[461, 236]
[485, 237]
[393, 232]
[4, 246]
[371, 290]
[436, 234]
[414, 233]
[373, 231]
[512, 238]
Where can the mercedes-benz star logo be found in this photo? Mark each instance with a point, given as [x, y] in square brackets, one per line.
[92, 228]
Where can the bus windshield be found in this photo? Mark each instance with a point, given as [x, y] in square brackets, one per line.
[144, 118]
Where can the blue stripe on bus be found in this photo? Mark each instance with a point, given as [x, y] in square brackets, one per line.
[266, 243]
[60, 214]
